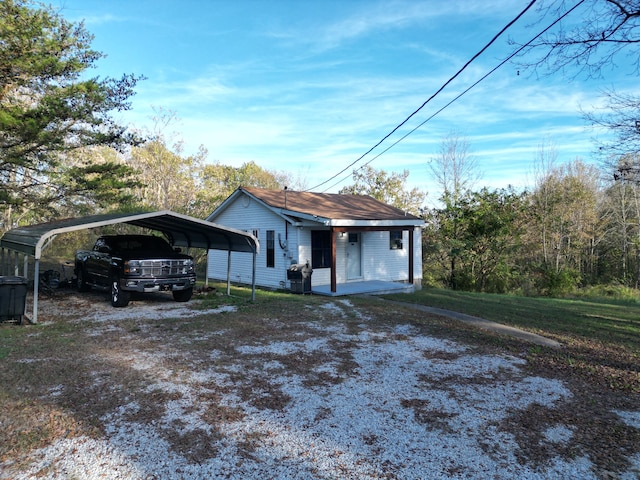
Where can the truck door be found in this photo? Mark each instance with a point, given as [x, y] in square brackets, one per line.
[98, 263]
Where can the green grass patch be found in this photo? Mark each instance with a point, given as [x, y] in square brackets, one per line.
[606, 320]
[241, 295]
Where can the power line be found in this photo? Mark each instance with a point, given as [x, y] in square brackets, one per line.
[516, 52]
[482, 50]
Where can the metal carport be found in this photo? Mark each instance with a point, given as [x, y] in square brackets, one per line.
[181, 230]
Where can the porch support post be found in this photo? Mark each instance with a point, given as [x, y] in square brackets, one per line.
[334, 282]
[411, 255]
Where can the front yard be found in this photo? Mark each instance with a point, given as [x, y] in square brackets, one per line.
[295, 387]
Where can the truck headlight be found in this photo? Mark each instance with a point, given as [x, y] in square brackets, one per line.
[132, 267]
[187, 266]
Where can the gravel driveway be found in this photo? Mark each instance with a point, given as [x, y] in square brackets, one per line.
[340, 395]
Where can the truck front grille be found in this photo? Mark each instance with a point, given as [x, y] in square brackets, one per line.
[164, 268]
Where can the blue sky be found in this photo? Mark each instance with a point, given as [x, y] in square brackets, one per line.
[307, 87]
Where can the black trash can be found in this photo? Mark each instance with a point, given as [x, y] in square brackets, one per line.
[299, 276]
[13, 296]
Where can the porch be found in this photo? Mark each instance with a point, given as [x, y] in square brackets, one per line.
[371, 287]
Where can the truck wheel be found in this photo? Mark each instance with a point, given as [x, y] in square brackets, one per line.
[183, 295]
[81, 281]
[119, 298]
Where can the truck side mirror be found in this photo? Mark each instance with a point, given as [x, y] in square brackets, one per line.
[177, 250]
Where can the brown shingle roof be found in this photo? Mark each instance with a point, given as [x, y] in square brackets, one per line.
[330, 205]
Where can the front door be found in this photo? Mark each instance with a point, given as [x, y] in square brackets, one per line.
[354, 257]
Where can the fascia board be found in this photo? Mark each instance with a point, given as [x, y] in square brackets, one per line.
[375, 223]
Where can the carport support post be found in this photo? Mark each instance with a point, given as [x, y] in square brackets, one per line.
[253, 278]
[36, 277]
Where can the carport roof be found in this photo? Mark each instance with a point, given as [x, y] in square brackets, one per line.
[181, 230]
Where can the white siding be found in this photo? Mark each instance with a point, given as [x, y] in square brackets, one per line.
[380, 262]
[341, 259]
[250, 216]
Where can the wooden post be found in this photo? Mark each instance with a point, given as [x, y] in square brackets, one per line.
[411, 255]
[334, 282]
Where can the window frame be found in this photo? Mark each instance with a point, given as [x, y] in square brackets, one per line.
[271, 248]
[320, 249]
[396, 239]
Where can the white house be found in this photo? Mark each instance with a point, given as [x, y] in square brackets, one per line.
[344, 238]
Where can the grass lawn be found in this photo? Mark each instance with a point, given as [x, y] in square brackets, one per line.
[609, 321]
[601, 337]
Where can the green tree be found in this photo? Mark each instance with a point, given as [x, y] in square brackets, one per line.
[492, 225]
[442, 246]
[388, 188]
[168, 179]
[456, 172]
[47, 110]
[218, 181]
[482, 231]
[93, 178]
[563, 222]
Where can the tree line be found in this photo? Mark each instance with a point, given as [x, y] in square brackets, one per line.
[578, 225]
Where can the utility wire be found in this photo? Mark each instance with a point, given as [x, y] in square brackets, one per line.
[516, 52]
[482, 50]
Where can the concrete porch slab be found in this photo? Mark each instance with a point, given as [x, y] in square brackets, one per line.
[372, 287]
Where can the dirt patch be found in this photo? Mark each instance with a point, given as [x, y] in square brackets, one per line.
[295, 388]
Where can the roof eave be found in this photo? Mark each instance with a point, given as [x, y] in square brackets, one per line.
[375, 223]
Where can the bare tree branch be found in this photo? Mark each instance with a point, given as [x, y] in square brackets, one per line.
[609, 30]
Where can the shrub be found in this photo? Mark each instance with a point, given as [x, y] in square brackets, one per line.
[557, 283]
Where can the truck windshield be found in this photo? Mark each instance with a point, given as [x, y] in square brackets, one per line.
[142, 245]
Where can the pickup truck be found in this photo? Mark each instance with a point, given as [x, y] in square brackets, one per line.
[123, 264]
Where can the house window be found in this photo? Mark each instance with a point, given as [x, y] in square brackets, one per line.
[395, 240]
[271, 249]
[320, 249]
